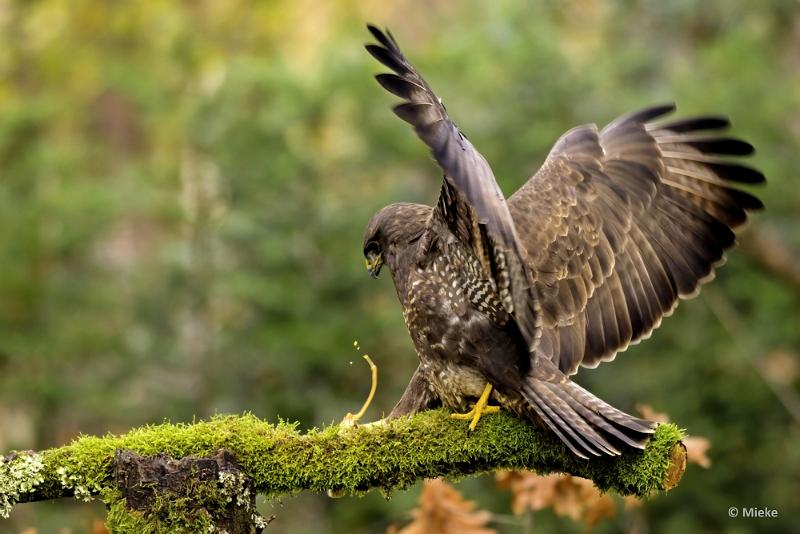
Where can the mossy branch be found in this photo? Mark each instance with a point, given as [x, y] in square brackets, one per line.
[279, 459]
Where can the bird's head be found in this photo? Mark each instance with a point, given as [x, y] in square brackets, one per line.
[391, 232]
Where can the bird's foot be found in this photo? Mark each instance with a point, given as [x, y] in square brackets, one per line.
[351, 419]
[478, 409]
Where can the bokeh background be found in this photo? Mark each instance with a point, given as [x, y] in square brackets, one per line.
[184, 186]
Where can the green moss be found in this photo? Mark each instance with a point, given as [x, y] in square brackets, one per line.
[191, 512]
[179, 515]
[121, 519]
[353, 460]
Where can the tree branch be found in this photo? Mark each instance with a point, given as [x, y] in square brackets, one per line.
[277, 459]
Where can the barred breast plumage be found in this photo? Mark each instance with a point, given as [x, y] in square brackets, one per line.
[448, 303]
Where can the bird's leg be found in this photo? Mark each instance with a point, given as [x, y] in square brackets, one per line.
[351, 419]
[479, 408]
[417, 397]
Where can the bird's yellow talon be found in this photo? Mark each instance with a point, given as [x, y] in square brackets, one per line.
[351, 419]
[478, 409]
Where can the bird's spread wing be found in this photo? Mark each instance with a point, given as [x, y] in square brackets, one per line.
[471, 203]
[621, 223]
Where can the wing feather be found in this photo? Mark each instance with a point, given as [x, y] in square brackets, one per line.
[471, 204]
[620, 224]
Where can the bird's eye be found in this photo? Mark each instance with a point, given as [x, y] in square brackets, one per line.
[372, 249]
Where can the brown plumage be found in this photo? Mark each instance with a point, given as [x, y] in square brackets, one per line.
[584, 259]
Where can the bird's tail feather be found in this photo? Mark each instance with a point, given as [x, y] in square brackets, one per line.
[587, 425]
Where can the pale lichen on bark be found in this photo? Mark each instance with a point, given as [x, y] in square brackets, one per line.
[20, 474]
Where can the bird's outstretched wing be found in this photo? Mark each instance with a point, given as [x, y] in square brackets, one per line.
[471, 203]
[620, 224]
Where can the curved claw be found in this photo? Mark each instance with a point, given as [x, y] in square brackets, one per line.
[478, 409]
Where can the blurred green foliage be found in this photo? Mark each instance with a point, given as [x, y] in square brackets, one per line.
[183, 187]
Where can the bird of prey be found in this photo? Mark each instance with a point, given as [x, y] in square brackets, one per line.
[506, 298]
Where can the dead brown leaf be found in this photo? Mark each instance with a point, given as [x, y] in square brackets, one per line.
[580, 500]
[529, 490]
[696, 448]
[631, 502]
[99, 527]
[442, 510]
[568, 496]
[648, 412]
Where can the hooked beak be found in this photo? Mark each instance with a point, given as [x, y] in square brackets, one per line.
[374, 263]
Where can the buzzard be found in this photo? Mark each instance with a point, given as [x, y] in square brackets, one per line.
[506, 298]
